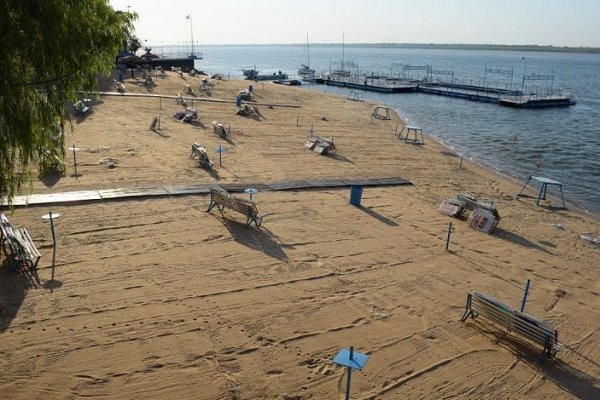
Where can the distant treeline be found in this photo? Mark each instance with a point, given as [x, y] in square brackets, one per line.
[452, 46]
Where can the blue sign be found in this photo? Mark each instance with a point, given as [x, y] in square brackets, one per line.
[220, 149]
[351, 359]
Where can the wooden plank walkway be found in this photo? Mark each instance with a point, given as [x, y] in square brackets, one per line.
[197, 189]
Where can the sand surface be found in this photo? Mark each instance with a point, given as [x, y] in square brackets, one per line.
[154, 298]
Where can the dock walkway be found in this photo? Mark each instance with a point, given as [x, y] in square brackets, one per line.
[194, 189]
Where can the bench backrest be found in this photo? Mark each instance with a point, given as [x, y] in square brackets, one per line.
[536, 330]
[223, 198]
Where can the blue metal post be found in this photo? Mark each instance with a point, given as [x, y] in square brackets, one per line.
[525, 295]
[349, 374]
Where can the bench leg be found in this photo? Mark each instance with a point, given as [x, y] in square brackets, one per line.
[258, 221]
[468, 309]
[211, 205]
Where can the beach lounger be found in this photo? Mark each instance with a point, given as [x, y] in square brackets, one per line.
[482, 216]
[119, 86]
[220, 130]
[188, 89]
[320, 145]
[200, 152]
[81, 107]
[524, 325]
[220, 198]
[179, 100]
[22, 249]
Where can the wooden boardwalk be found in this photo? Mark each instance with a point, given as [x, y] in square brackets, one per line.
[194, 189]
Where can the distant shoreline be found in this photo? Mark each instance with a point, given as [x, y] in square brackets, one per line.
[435, 46]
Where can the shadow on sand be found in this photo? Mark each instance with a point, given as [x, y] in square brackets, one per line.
[13, 289]
[577, 383]
[254, 238]
[378, 216]
[518, 239]
[51, 178]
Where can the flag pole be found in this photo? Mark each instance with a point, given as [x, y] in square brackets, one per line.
[191, 32]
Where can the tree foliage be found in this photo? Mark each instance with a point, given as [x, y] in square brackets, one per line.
[133, 44]
[51, 49]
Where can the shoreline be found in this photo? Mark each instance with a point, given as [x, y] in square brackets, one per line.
[497, 169]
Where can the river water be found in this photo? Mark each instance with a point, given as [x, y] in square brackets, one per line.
[558, 143]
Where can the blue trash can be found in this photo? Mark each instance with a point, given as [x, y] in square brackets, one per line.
[355, 195]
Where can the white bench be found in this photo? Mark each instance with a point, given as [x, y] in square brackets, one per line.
[221, 198]
[527, 326]
[22, 248]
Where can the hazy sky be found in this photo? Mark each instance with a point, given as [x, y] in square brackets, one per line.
[543, 22]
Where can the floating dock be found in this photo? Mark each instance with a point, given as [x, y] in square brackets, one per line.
[372, 85]
[480, 93]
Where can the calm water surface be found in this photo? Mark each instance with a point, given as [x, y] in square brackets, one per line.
[565, 140]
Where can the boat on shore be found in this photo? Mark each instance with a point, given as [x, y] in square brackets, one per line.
[254, 75]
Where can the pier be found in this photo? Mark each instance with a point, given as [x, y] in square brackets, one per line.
[508, 96]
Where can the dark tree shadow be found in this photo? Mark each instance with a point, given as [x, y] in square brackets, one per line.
[578, 383]
[80, 117]
[51, 178]
[252, 237]
[518, 239]
[14, 286]
[378, 216]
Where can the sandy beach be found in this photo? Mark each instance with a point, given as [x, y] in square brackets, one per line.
[155, 298]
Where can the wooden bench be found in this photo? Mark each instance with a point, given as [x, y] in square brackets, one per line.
[22, 248]
[200, 152]
[220, 130]
[221, 198]
[529, 327]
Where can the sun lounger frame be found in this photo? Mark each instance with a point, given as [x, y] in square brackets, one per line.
[200, 152]
[22, 248]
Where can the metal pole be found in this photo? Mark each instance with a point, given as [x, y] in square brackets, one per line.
[448, 238]
[53, 243]
[348, 383]
[75, 160]
[349, 374]
[525, 295]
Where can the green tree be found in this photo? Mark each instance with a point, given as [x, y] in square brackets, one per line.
[51, 49]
